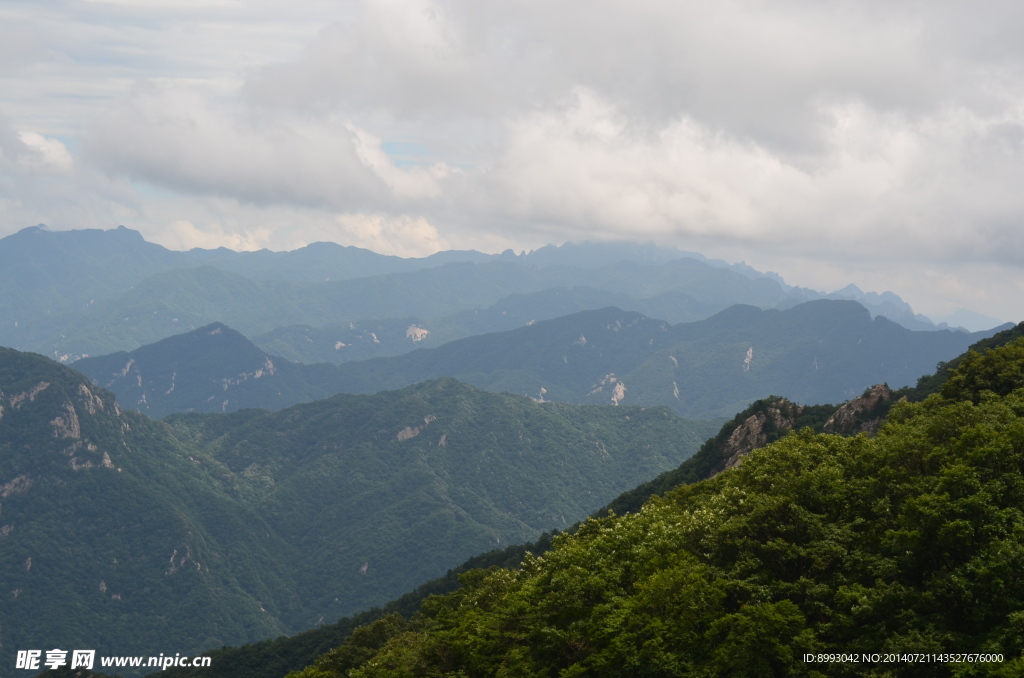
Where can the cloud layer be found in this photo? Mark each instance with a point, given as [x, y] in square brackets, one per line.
[845, 139]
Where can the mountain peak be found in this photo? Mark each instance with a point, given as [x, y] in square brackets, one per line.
[181, 372]
[850, 289]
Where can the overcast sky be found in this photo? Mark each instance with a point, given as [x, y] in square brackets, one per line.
[879, 143]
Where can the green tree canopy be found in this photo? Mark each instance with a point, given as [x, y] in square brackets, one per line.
[911, 541]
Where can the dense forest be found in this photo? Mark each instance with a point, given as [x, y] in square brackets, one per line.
[953, 383]
[907, 542]
[117, 531]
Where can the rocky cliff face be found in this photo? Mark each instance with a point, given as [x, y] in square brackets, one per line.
[53, 421]
[775, 418]
[770, 419]
[863, 414]
[91, 514]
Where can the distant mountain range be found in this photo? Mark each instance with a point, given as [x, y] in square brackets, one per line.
[75, 293]
[133, 536]
[395, 336]
[816, 352]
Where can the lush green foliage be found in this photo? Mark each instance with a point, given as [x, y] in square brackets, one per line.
[910, 541]
[381, 493]
[715, 452]
[999, 372]
[112, 533]
[276, 657]
[931, 383]
[118, 531]
[299, 651]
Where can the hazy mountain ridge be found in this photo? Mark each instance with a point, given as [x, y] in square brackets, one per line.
[389, 337]
[73, 293]
[820, 351]
[181, 299]
[212, 369]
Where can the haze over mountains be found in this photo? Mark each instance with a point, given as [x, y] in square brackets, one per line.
[340, 427]
[819, 351]
[74, 293]
[503, 448]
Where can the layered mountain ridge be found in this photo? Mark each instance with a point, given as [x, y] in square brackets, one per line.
[819, 351]
[75, 293]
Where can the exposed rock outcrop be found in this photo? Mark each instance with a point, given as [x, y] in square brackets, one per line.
[758, 430]
[66, 425]
[863, 414]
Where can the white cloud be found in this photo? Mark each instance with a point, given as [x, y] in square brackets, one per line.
[184, 235]
[44, 154]
[178, 138]
[882, 187]
[40, 182]
[851, 136]
[404, 236]
[401, 58]
[416, 182]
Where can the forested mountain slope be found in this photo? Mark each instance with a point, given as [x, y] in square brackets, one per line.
[112, 533]
[905, 543]
[381, 493]
[272, 658]
[117, 531]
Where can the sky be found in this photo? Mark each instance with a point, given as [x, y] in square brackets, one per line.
[879, 143]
